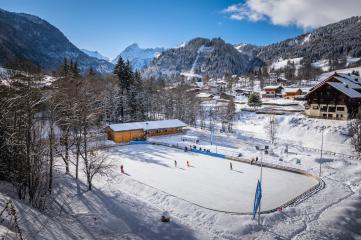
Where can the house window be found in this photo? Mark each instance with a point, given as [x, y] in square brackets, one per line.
[341, 109]
[341, 116]
[324, 115]
[315, 107]
[332, 109]
[330, 115]
[324, 109]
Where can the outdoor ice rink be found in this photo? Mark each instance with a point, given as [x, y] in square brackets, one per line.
[208, 182]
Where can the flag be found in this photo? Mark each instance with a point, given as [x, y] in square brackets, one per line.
[257, 199]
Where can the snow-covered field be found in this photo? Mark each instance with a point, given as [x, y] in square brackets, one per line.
[130, 206]
[208, 181]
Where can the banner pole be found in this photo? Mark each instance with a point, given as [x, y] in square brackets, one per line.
[260, 202]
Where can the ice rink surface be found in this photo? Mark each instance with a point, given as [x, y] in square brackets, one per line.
[208, 181]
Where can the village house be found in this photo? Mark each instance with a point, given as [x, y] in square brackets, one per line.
[203, 96]
[126, 132]
[272, 91]
[336, 97]
[291, 93]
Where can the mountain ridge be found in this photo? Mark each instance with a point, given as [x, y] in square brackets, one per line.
[31, 38]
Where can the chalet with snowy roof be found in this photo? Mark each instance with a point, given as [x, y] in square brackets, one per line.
[126, 132]
[336, 97]
[203, 96]
[272, 91]
[291, 93]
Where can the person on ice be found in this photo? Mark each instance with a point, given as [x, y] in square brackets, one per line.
[188, 164]
[121, 169]
[230, 166]
[175, 163]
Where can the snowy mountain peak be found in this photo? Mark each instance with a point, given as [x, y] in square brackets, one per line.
[132, 46]
[139, 57]
[95, 54]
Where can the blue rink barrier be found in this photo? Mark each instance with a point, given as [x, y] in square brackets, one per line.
[209, 153]
[138, 142]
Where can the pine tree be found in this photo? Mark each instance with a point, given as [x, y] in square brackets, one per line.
[91, 72]
[254, 100]
[125, 76]
[65, 68]
[75, 70]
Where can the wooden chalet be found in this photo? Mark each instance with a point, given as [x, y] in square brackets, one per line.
[126, 132]
[336, 97]
[291, 93]
[272, 91]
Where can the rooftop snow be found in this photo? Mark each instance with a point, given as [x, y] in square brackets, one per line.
[272, 87]
[204, 95]
[150, 125]
[352, 81]
[345, 89]
[291, 90]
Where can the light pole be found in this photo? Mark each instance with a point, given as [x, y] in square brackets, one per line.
[319, 175]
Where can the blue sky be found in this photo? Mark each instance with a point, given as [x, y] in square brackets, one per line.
[108, 26]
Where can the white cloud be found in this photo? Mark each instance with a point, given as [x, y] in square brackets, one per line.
[302, 13]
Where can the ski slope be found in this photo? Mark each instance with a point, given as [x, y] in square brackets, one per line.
[208, 182]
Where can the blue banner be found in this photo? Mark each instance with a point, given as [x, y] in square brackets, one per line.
[209, 153]
[257, 199]
[138, 142]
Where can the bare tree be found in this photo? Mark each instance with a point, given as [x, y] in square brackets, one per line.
[231, 110]
[95, 164]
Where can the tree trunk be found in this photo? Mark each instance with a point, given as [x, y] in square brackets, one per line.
[51, 157]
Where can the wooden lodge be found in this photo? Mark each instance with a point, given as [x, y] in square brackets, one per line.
[126, 132]
[291, 93]
[336, 97]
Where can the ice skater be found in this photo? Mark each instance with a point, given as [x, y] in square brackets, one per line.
[175, 163]
[122, 169]
[230, 166]
[188, 164]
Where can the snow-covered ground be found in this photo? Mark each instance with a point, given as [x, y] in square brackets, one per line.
[208, 181]
[125, 207]
[281, 63]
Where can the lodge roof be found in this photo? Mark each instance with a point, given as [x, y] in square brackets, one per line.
[272, 87]
[291, 90]
[344, 88]
[149, 125]
[345, 83]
